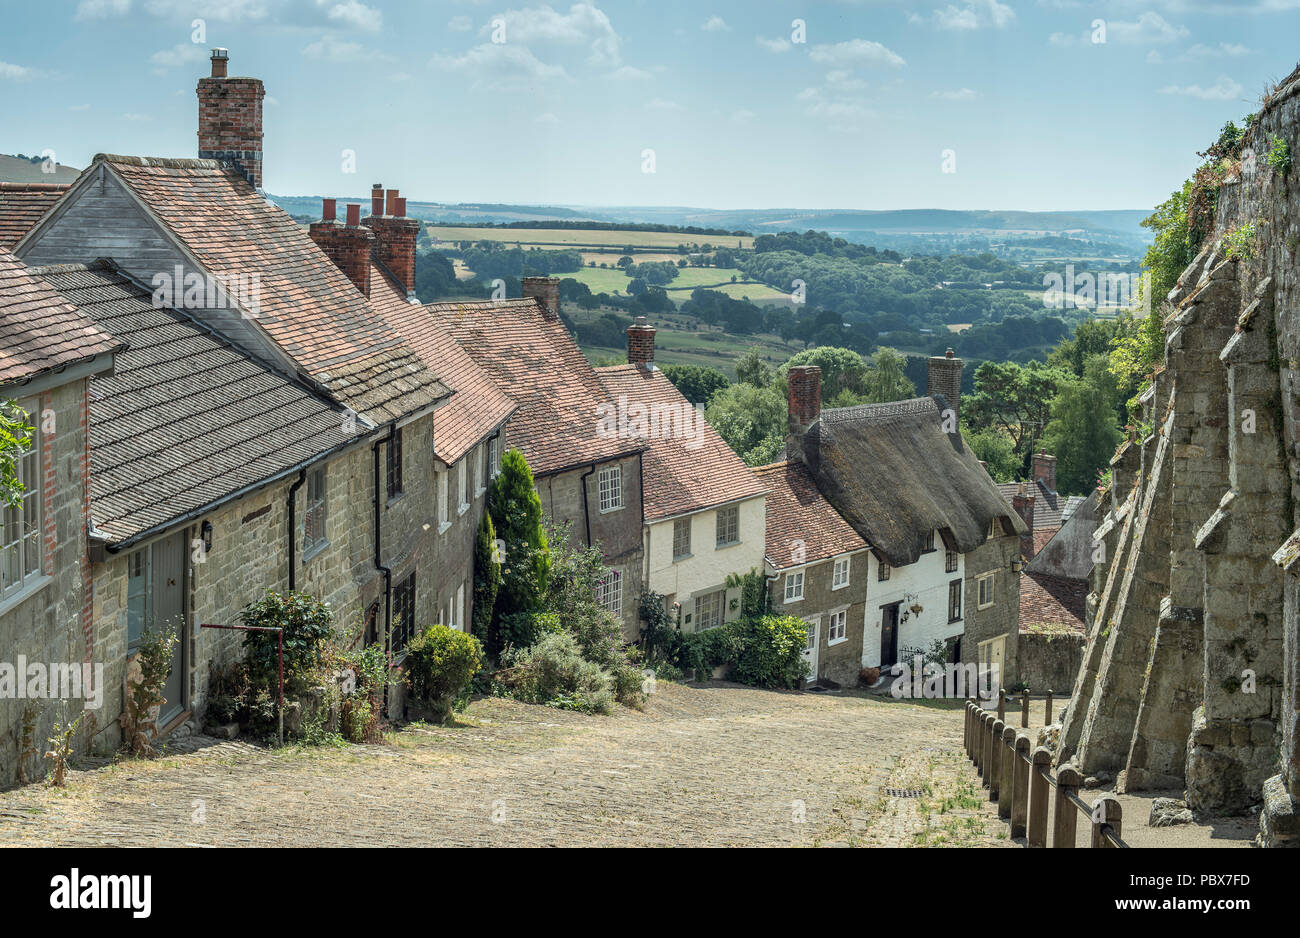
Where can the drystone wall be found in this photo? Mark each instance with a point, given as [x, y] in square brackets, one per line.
[1189, 677]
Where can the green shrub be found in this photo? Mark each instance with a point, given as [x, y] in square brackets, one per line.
[553, 671]
[440, 664]
[765, 651]
[306, 624]
[487, 578]
[1279, 155]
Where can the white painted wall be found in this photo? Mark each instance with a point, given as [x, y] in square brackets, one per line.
[708, 567]
[924, 582]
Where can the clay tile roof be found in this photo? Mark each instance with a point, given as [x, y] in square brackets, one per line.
[22, 204]
[39, 329]
[535, 362]
[186, 419]
[308, 307]
[477, 407]
[688, 466]
[895, 475]
[1047, 600]
[797, 511]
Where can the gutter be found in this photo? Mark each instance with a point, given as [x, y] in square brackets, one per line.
[293, 526]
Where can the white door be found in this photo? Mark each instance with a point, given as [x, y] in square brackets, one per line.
[811, 645]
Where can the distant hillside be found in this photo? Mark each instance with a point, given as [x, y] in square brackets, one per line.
[22, 169]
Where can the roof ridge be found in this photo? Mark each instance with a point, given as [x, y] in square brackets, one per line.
[165, 162]
[35, 186]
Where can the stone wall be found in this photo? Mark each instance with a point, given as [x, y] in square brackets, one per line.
[1189, 677]
[842, 661]
[1049, 660]
[995, 556]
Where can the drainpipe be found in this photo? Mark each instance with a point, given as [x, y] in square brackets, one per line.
[293, 525]
[388, 574]
[586, 506]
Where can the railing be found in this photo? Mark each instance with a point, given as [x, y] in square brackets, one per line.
[1018, 780]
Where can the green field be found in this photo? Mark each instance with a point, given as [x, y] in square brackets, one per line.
[608, 280]
[583, 237]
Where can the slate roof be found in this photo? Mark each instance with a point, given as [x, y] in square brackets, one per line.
[894, 475]
[308, 307]
[797, 511]
[39, 329]
[688, 466]
[22, 204]
[477, 407]
[187, 419]
[1051, 509]
[1052, 600]
[535, 362]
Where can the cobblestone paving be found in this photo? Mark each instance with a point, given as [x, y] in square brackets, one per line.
[714, 765]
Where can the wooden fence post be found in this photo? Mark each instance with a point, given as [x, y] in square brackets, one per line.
[1040, 763]
[1020, 788]
[986, 740]
[1002, 704]
[1067, 814]
[995, 771]
[966, 739]
[1024, 710]
[977, 742]
[1006, 784]
[1047, 719]
[1106, 811]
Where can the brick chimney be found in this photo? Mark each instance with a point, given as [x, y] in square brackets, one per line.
[1045, 471]
[230, 119]
[1023, 503]
[803, 414]
[641, 344]
[346, 244]
[944, 377]
[546, 289]
[395, 236]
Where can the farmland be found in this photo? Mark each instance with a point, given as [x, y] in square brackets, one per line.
[611, 280]
[594, 239]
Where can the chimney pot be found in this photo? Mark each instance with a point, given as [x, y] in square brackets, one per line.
[354, 214]
[329, 210]
[390, 202]
[401, 207]
[377, 199]
[641, 343]
[220, 59]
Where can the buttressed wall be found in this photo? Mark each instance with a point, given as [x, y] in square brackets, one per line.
[1190, 676]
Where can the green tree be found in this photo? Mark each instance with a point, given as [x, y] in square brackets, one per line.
[1083, 431]
[997, 452]
[1014, 400]
[516, 511]
[886, 381]
[487, 577]
[751, 420]
[15, 437]
[751, 369]
[697, 383]
[842, 370]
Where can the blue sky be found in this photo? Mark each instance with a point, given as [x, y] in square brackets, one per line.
[737, 111]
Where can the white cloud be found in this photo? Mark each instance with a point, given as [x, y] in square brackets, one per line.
[659, 104]
[329, 49]
[549, 119]
[843, 80]
[183, 53]
[774, 45]
[630, 73]
[351, 14]
[460, 24]
[1217, 51]
[583, 25]
[221, 11]
[499, 65]
[961, 94]
[968, 15]
[1225, 89]
[100, 9]
[79, 107]
[835, 110]
[742, 116]
[16, 72]
[1147, 29]
[715, 24]
[855, 52]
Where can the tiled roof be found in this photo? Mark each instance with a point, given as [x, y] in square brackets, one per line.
[21, 206]
[477, 407]
[186, 419]
[308, 307]
[39, 329]
[797, 511]
[1052, 601]
[896, 476]
[688, 467]
[535, 362]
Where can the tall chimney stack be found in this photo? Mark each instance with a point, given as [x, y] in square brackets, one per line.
[1045, 471]
[944, 378]
[641, 344]
[347, 245]
[1023, 503]
[395, 236]
[546, 289]
[230, 119]
[803, 413]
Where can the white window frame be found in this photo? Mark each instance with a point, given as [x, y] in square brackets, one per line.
[841, 564]
[723, 527]
[684, 524]
[716, 602]
[314, 514]
[609, 486]
[25, 550]
[839, 623]
[609, 592]
[139, 587]
[979, 590]
[794, 586]
[492, 458]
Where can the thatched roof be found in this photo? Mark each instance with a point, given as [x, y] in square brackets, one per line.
[894, 475]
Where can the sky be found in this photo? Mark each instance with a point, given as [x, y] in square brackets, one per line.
[876, 104]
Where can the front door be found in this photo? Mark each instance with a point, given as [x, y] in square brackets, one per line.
[889, 635]
[810, 647]
[169, 610]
